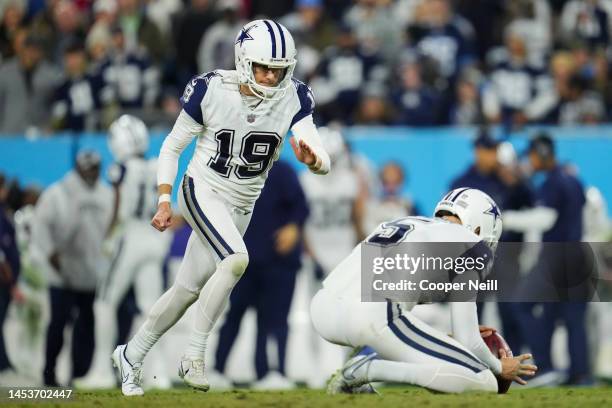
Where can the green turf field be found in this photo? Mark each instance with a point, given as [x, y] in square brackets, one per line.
[395, 397]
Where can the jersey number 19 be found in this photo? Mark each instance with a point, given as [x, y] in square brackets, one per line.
[256, 152]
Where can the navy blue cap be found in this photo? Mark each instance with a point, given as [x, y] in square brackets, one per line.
[542, 144]
[485, 140]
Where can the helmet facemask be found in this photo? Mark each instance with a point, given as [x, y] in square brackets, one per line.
[268, 92]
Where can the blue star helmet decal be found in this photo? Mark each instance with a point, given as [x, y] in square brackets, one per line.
[244, 35]
[494, 211]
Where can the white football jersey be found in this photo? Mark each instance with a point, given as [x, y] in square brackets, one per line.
[137, 181]
[345, 279]
[329, 228]
[239, 143]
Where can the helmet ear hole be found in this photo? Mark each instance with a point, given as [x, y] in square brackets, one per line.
[477, 231]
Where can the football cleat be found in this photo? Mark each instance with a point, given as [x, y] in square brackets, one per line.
[130, 374]
[344, 381]
[364, 389]
[192, 372]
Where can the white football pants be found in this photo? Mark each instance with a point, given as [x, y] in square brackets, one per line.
[215, 258]
[410, 351]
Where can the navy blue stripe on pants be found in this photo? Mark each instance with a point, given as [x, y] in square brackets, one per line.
[203, 224]
[438, 341]
[207, 222]
[421, 347]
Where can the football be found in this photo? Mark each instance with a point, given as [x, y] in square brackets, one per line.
[496, 342]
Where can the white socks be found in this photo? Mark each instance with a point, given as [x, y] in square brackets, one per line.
[163, 315]
[197, 345]
[139, 346]
[172, 305]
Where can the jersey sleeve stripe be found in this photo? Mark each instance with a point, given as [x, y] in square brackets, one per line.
[282, 37]
[306, 100]
[193, 96]
[272, 38]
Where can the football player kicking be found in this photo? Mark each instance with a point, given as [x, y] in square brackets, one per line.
[406, 349]
[240, 119]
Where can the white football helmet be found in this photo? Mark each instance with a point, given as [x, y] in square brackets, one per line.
[477, 212]
[128, 136]
[265, 42]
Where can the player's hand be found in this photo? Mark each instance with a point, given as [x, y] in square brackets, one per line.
[513, 368]
[303, 152]
[486, 331]
[286, 238]
[162, 219]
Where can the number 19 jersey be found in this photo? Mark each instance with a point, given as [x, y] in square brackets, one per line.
[239, 143]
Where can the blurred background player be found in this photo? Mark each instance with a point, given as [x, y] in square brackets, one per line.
[335, 221]
[72, 218]
[557, 215]
[243, 117]
[495, 172]
[139, 253]
[10, 266]
[333, 228]
[517, 195]
[30, 309]
[482, 174]
[389, 201]
[274, 241]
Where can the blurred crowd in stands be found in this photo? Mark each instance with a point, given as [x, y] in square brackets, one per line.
[74, 65]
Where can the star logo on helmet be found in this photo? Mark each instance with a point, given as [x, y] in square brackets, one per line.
[244, 34]
[494, 211]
